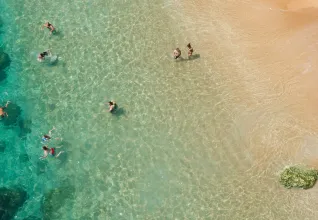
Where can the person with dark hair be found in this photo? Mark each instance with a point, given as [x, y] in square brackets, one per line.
[42, 55]
[176, 53]
[47, 137]
[2, 112]
[50, 151]
[112, 106]
[190, 50]
[49, 26]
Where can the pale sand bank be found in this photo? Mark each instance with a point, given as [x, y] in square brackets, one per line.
[267, 50]
[295, 4]
[264, 42]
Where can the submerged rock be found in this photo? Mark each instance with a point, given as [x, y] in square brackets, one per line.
[52, 106]
[24, 158]
[298, 177]
[4, 60]
[10, 201]
[13, 112]
[55, 199]
[3, 75]
[2, 146]
[25, 127]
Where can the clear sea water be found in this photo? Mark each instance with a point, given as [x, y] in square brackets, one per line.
[186, 143]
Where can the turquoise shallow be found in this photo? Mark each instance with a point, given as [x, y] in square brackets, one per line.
[174, 149]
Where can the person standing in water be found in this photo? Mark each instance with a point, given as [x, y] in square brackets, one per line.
[2, 112]
[49, 26]
[176, 53]
[190, 50]
[42, 55]
[50, 151]
[112, 106]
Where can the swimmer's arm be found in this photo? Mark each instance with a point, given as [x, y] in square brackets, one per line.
[43, 157]
[51, 130]
[59, 154]
[7, 104]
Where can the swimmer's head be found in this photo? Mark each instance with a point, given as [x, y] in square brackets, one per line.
[45, 148]
[47, 137]
[189, 45]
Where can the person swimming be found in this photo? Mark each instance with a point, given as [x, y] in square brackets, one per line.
[190, 50]
[42, 55]
[176, 53]
[47, 137]
[50, 151]
[112, 106]
[2, 112]
[49, 26]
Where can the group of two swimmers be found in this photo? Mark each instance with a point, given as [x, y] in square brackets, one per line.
[52, 29]
[177, 51]
[47, 150]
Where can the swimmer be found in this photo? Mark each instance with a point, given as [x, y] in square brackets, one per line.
[190, 50]
[42, 55]
[2, 112]
[49, 26]
[48, 137]
[50, 151]
[176, 53]
[112, 106]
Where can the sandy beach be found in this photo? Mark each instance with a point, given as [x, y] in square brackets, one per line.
[271, 47]
[277, 40]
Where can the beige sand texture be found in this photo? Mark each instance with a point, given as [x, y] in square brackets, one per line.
[271, 41]
[297, 4]
[268, 52]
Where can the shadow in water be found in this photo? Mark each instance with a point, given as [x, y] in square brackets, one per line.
[53, 60]
[193, 57]
[55, 199]
[3, 75]
[23, 158]
[57, 33]
[118, 112]
[2, 146]
[25, 127]
[63, 158]
[51, 107]
[13, 112]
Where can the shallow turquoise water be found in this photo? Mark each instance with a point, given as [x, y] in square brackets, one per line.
[178, 147]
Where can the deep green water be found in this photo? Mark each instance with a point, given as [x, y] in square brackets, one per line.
[176, 148]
